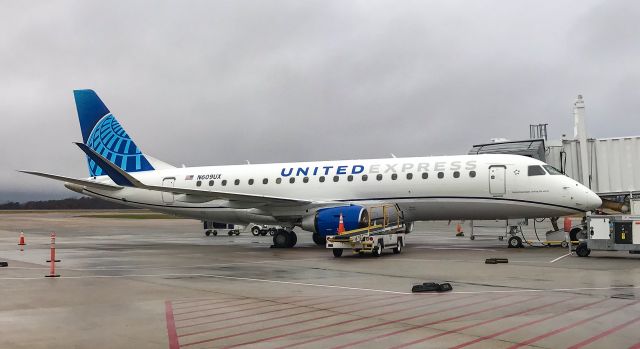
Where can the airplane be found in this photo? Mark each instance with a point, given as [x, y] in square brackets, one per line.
[313, 195]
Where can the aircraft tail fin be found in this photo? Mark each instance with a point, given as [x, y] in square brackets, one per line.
[102, 133]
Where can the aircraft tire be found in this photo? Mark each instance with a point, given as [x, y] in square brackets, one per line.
[282, 239]
[293, 238]
[318, 239]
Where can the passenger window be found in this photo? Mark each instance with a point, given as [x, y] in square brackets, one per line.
[224, 182]
[409, 176]
[292, 180]
[350, 178]
[211, 183]
[472, 174]
[321, 179]
[456, 174]
[336, 178]
[425, 175]
[535, 170]
[440, 175]
[265, 181]
[251, 181]
[379, 177]
[198, 183]
[364, 178]
[552, 170]
[394, 176]
[236, 182]
[305, 179]
[278, 180]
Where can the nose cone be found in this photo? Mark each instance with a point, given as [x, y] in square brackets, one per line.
[593, 201]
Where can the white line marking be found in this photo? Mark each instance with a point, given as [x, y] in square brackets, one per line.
[326, 286]
[559, 258]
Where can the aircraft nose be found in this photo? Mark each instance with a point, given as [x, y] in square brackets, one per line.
[593, 200]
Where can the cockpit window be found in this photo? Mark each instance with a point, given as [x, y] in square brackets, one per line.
[536, 170]
[552, 170]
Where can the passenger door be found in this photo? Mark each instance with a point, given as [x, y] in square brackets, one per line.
[167, 197]
[497, 180]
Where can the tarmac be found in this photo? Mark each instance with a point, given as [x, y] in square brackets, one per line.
[160, 283]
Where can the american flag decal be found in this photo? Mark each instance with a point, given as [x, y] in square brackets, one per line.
[188, 178]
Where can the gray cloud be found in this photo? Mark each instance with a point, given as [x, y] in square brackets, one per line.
[204, 82]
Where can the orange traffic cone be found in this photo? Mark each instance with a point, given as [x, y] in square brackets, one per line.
[340, 225]
[21, 241]
[459, 231]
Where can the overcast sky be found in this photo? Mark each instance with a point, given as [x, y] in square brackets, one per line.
[222, 82]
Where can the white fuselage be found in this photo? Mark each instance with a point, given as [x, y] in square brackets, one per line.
[455, 187]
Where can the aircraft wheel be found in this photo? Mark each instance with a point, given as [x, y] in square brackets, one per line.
[515, 242]
[207, 233]
[293, 238]
[337, 252]
[281, 239]
[318, 239]
[255, 230]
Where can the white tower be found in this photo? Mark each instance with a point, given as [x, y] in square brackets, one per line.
[580, 134]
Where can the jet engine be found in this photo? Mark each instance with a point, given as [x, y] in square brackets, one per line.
[325, 220]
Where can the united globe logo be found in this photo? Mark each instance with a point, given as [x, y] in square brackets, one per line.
[110, 140]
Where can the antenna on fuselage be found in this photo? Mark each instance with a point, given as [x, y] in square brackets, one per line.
[393, 155]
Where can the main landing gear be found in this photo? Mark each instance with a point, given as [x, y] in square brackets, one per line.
[283, 238]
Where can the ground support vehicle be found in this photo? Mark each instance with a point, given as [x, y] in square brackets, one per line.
[611, 233]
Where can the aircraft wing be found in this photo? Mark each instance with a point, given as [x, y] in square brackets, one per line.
[77, 181]
[123, 178]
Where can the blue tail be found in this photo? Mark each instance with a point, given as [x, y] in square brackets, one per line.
[102, 133]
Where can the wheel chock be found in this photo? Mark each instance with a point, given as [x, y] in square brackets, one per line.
[4, 264]
[495, 260]
[431, 287]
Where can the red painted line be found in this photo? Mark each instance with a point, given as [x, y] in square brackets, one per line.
[511, 329]
[564, 328]
[297, 305]
[300, 331]
[635, 346]
[358, 319]
[171, 326]
[211, 302]
[462, 328]
[604, 334]
[227, 312]
[252, 301]
[389, 334]
[227, 305]
[189, 301]
[305, 313]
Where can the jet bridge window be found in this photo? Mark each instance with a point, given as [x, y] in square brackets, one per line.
[552, 170]
[535, 170]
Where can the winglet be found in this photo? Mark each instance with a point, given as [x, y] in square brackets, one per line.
[114, 172]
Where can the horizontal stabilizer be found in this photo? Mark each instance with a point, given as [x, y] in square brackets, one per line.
[83, 182]
[118, 175]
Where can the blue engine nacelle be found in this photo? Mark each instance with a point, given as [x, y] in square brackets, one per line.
[325, 221]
